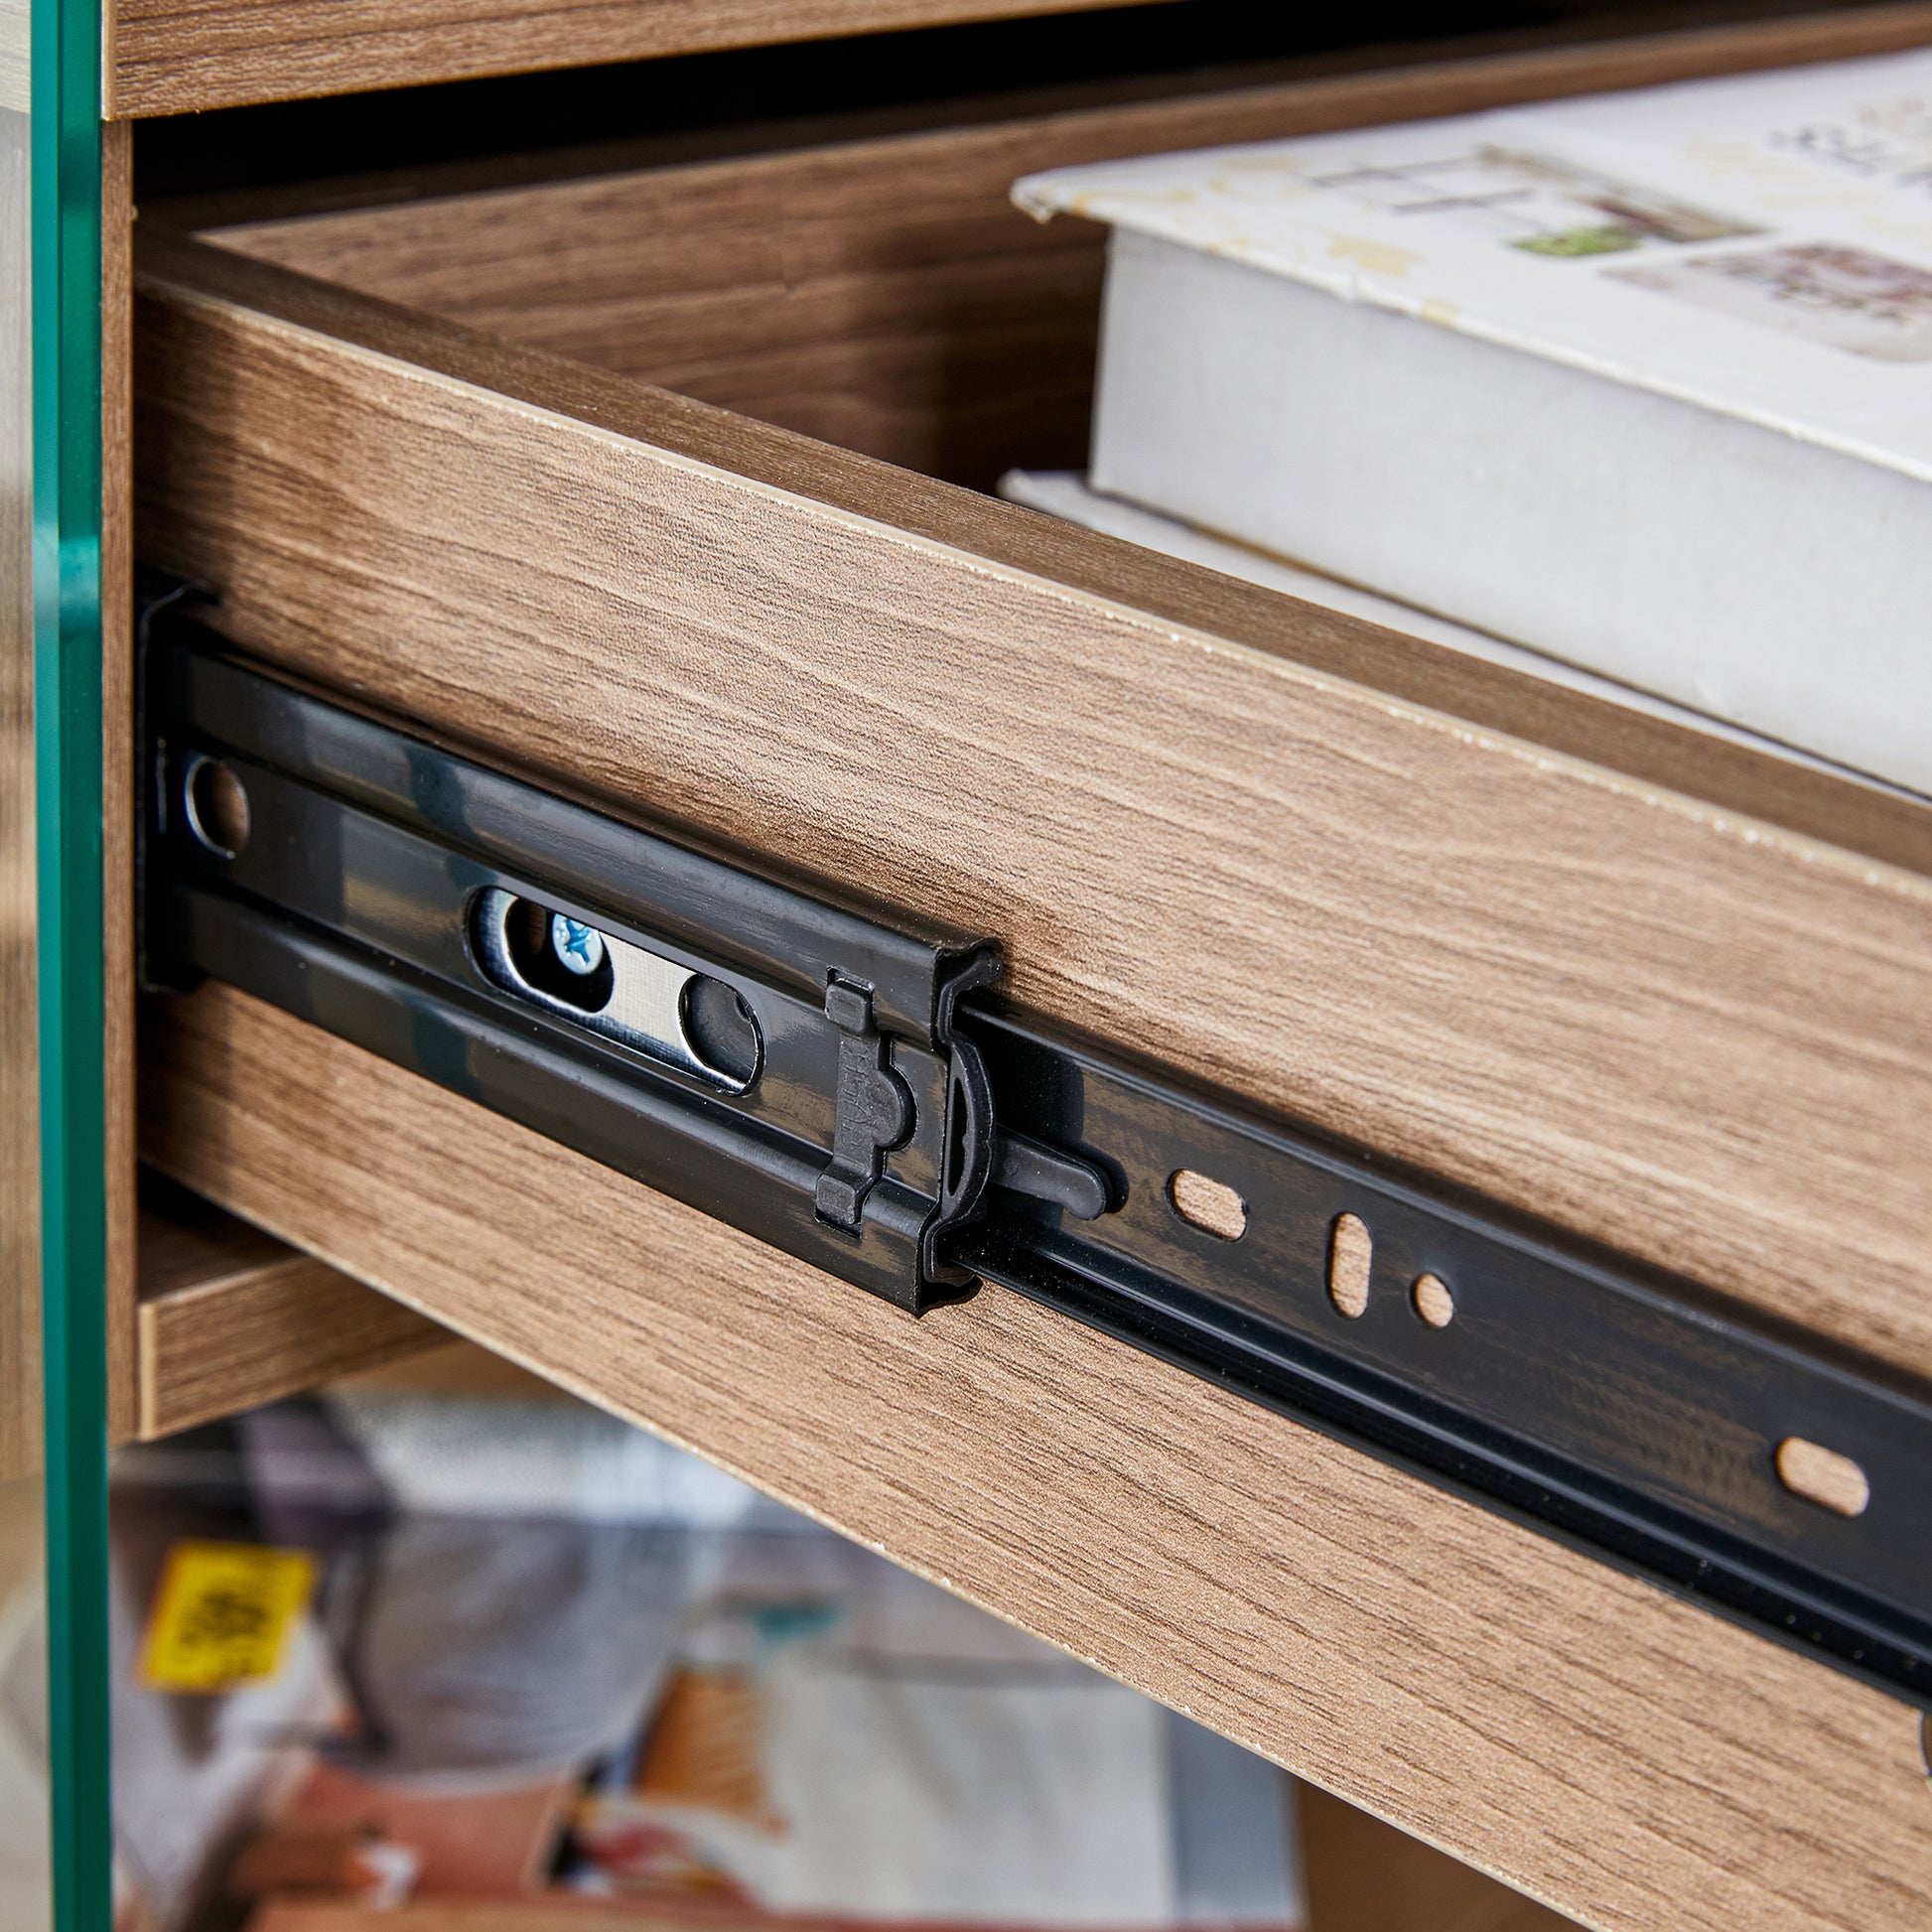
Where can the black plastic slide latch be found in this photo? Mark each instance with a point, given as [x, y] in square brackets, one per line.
[838, 1083]
[767, 1055]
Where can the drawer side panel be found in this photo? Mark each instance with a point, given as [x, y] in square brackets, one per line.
[1669, 1027]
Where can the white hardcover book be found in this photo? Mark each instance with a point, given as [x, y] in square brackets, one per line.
[1642, 380]
[1066, 494]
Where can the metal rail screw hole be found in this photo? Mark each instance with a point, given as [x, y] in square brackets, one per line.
[1210, 1206]
[217, 807]
[1823, 1477]
[1430, 1299]
[1350, 1250]
[721, 1026]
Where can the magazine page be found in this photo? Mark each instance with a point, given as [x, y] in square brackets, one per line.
[386, 1651]
[1759, 244]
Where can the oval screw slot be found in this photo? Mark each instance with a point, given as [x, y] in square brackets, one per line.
[721, 1027]
[616, 988]
[1823, 1477]
[1350, 1250]
[1208, 1205]
[217, 807]
[1430, 1299]
[559, 955]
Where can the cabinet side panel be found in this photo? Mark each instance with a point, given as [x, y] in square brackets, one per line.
[119, 753]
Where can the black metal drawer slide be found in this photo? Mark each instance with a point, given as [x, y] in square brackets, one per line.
[845, 1086]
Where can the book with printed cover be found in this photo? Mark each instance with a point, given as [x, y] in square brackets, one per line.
[1642, 381]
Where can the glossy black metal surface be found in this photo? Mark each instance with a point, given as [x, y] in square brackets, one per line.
[1633, 1412]
[353, 903]
[899, 1128]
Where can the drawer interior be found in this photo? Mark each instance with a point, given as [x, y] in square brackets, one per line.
[882, 294]
[879, 295]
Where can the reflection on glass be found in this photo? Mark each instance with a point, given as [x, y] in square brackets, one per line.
[390, 1648]
[25, 1902]
[19, 1166]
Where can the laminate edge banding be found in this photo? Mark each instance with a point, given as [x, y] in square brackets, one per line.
[1614, 1752]
[1647, 1018]
[227, 1317]
[181, 56]
[275, 1330]
[118, 762]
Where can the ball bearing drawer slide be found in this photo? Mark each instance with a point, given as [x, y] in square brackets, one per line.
[844, 1085]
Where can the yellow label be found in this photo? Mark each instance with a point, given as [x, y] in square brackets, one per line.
[222, 1616]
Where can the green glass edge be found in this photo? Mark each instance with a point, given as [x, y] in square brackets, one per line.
[65, 101]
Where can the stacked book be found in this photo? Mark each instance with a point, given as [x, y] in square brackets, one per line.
[1641, 381]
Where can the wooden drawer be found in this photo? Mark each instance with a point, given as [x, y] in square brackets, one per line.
[180, 57]
[1671, 993]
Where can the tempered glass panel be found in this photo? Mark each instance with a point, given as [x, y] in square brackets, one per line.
[54, 1813]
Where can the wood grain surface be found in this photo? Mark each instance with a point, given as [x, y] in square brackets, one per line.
[1624, 1755]
[454, 1367]
[884, 293]
[117, 792]
[182, 56]
[1639, 1013]
[1362, 1876]
[229, 1318]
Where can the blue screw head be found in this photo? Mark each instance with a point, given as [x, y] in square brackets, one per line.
[579, 946]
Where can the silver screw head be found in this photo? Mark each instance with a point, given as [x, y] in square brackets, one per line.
[580, 947]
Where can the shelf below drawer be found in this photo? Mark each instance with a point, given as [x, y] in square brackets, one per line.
[229, 1318]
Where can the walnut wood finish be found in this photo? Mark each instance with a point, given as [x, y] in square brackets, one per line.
[230, 1316]
[883, 294]
[182, 56]
[1288, 852]
[118, 760]
[1621, 1754]
[1362, 1876]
